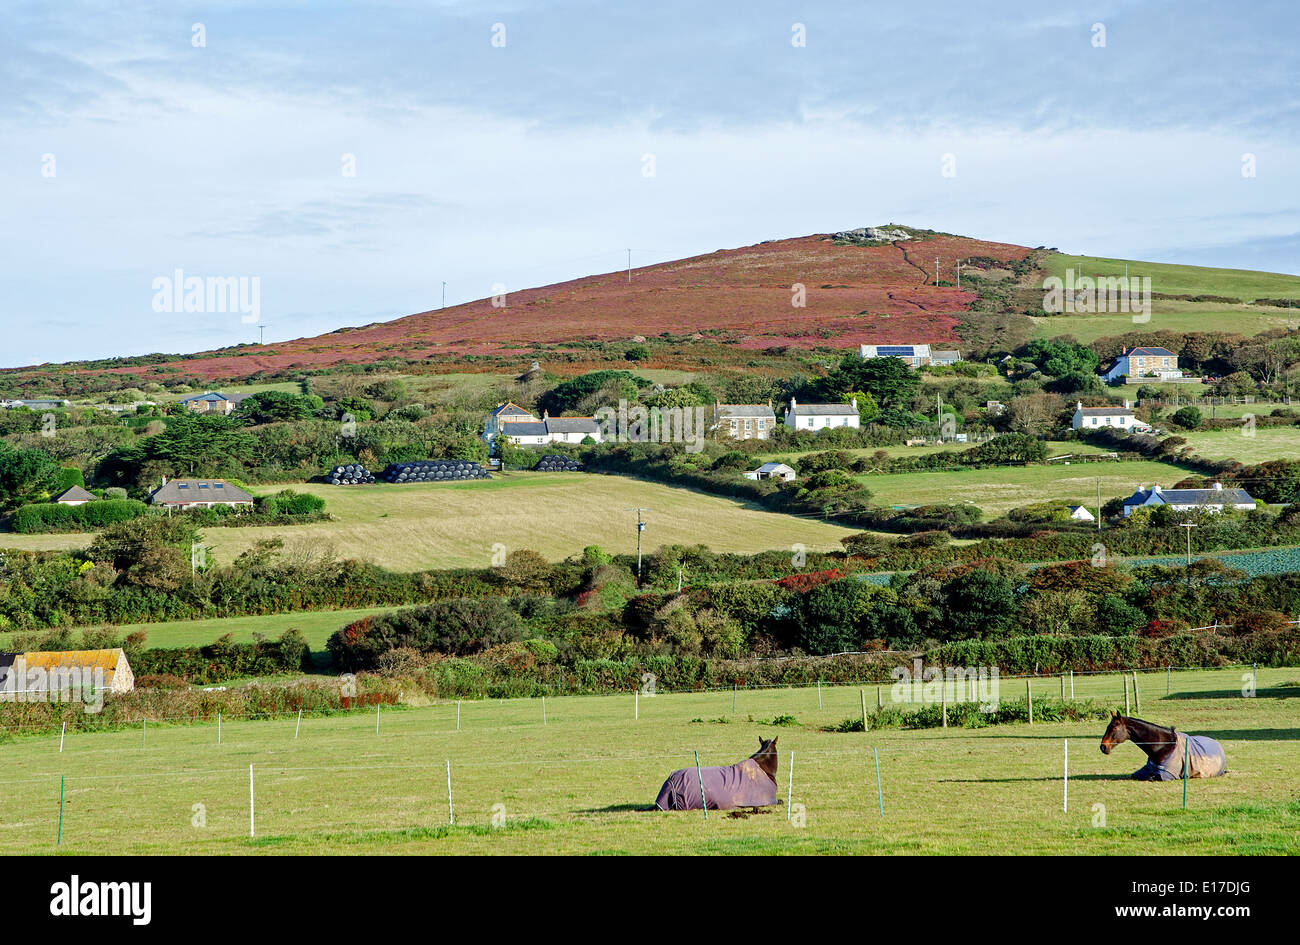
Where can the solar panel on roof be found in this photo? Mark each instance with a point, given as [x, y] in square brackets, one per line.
[895, 351]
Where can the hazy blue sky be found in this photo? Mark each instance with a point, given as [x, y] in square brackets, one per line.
[524, 163]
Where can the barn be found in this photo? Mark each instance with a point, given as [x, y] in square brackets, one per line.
[33, 676]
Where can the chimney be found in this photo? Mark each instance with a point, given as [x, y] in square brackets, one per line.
[855, 403]
[1156, 489]
[1219, 486]
[546, 415]
[792, 403]
[164, 480]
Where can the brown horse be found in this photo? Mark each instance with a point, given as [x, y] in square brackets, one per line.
[1166, 749]
[749, 783]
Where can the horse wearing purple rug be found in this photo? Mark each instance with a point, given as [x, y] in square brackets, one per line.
[1166, 750]
[751, 783]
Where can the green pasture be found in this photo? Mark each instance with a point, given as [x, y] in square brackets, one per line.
[576, 775]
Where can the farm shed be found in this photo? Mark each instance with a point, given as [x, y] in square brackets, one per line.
[772, 471]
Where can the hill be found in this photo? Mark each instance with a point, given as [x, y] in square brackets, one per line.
[855, 293]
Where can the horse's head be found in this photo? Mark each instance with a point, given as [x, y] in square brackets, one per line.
[766, 756]
[1116, 732]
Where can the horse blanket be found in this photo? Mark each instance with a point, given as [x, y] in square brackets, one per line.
[1205, 759]
[727, 787]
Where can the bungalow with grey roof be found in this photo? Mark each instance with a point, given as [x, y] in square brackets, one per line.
[74, 496]
[212, 402]
[1214, 499]
[199, 493]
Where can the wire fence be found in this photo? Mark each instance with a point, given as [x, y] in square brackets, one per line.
[913, 675]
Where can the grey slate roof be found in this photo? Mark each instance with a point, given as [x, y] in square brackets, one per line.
[211, 396]
[1194, 497]
[824, 410]
[198, 490]
[510, 409]
[75, 494]
[524, 428]
[1142, 352]
[571, 425]
[774, 467]
[741, 411]
[1106, 411]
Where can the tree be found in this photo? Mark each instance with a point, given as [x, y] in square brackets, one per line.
[1189, 418]
[272, 405]
[889, 381]
[830, 615]
[636, 353]
[25, 475]
[198, 443]
[978, 604]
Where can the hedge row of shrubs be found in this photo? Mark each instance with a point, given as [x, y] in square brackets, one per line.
[1049, 654]
[226, 659]
[54, 517]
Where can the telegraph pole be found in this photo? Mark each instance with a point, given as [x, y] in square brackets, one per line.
[629, 265]
[444, 295]
[640, 527]
[1189, 526]
[1099, 503]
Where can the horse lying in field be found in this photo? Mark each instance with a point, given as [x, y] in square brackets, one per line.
[1166, 749]
[750, 783]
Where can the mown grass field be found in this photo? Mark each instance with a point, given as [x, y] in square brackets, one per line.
[1262, 444]
[1054, 448]
[579, 782]
[456, 524]
[998, 489]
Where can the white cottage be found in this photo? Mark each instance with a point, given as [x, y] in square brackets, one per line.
[1094, 418]
[818, 417]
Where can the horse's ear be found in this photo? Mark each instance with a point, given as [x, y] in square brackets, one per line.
[761, 741]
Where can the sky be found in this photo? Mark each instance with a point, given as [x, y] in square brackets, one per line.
[350, 159]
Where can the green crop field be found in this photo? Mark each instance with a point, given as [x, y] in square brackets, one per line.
[1000, 488]
[288, 387]
[456, 524]
[580, 779]
[1171, 279]
[1175, 314]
